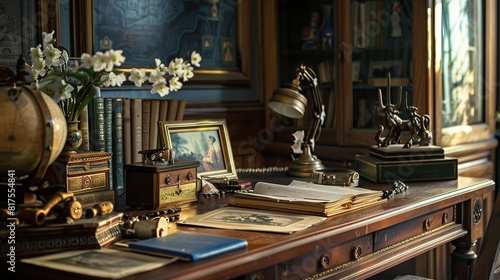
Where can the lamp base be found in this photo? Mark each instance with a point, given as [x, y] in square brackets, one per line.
[304, 165]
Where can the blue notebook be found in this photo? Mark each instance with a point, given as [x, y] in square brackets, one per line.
[189, 246]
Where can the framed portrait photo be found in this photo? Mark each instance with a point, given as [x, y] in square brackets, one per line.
[206, 141]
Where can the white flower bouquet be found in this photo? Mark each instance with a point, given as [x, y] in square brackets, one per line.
[74, 86]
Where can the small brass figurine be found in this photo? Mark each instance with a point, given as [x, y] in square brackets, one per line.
[417, 125]
[157, 156]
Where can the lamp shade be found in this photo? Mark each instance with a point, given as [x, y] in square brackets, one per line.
[289, 102]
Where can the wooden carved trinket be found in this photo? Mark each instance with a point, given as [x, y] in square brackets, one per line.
[157, 156]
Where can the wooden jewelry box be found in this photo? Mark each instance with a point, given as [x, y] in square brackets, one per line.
[85, 174]
[155, 186]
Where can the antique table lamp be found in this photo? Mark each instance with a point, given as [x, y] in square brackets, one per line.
[290, 102]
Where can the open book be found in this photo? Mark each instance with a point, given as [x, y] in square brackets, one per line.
[308, 198]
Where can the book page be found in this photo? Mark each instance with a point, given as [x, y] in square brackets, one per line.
[304, 190]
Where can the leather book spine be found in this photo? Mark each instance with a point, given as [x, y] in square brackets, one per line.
[146, 118]
[98, 125]
[127, 135]
[172, 110]
[153, 124]
[84, 127]
[181, 108]
[118, 144]
[136, 129]
[108, 134]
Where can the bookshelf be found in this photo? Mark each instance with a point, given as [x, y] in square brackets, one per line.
[122, 127]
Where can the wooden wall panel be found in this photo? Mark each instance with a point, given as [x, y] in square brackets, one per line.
[246, 126]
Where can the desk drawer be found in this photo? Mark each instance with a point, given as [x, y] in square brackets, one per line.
[326, 256]
[413, 228]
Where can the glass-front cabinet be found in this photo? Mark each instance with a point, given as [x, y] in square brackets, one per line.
[378, 49]
[463, 48]
[440, 54]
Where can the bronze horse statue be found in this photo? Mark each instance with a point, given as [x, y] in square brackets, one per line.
[417, 125]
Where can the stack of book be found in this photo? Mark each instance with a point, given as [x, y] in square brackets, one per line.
[308, 198]
[85, 233]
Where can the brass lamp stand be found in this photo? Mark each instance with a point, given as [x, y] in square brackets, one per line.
[290, 102]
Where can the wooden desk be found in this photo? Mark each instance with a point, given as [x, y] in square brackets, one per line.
[351, 246]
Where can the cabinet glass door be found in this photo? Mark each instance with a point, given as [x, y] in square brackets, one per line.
[306, 36]
[462, 73]
[462, 62]
[381, 45]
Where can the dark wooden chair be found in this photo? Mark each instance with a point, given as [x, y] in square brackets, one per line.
[488, 261]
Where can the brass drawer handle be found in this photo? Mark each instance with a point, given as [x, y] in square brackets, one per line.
[427, 224]
[446, 218]
[86, 182]
[477, 212]
[168, 180]
[324, 261]
[357, 251]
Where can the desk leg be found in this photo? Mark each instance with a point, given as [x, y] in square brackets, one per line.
[462, 259]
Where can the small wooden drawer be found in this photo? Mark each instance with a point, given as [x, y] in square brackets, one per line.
[413, 228]
[327, 256]
[158, 186]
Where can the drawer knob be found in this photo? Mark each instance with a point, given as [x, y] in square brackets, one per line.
[427, 224]
[477, 212]
[324, 261]
[446, 218]
[190, 176]
[168, 180]
[356, 252]
[86, 182]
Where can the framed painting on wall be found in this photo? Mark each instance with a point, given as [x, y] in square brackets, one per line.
[218, 30]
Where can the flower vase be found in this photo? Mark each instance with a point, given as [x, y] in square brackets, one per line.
[74, 138]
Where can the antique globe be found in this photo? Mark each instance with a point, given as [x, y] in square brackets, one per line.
[32, 133]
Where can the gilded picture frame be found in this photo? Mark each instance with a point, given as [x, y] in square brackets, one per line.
[236, 73]
[206, 141]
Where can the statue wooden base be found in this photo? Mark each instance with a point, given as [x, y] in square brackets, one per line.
[397, 152]
[425, 163]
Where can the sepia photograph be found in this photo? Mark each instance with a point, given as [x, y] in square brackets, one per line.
[253, 219]
[104, 262]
